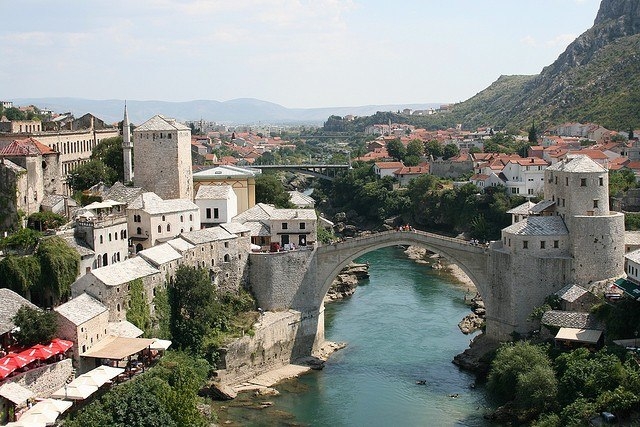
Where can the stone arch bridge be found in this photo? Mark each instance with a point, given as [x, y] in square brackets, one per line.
[300, 279]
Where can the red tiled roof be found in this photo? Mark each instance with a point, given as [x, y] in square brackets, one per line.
[25, 147]
[389, 165]
[412, 170]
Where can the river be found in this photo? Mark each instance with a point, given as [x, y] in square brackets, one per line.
[401, 327]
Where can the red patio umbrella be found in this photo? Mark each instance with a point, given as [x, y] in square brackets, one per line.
[6, 370]
[61, 344]
[18, 360]
[39, 352]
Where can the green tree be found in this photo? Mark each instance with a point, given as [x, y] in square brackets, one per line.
[23, 241]
[109, 151]
[621, 181]
[512, 361]
[269, 189]
[533, 133]
[191, 299]
[59, 265]
[434, 148]
[91, 173]
[396, 149]
[36, 326]
[138, 312]
[450, 150]
[45, 220]
[415, 148]
[20, 273]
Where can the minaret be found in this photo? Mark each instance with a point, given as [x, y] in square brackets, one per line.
[127, 146]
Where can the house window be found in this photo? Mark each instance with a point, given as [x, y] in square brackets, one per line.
[303, 226]
[566, 180]
[163, 217]
[159, 229]
[208, 213]
[168, 228]
[138, 230]
[285, 226]
[583, 182]
[530, 191]
[181, 218]
[556, 244]
[190, 217]
[101, 239]
[601, 181]
[542, 244]
[595, 203]
[227, 258]
[525, 244]
[216, 213]
[226, 244]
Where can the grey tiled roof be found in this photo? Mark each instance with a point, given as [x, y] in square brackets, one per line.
[11, 303]
[577, 163]
[522, 209]
[78, 244]
[633, 256]
[121, 193]
[160, 122]
[214, 192]
[571, 293]
[81, 309]
[160, 254]
[124, 272]
[541, 206]
[235, 227]
[180, 244]
[207, 235]
[632, 238]
[299, 199]
[124, 328]
[155, 205]
[571, 319]
[539, 226]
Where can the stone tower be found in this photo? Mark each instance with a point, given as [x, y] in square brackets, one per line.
[570, 237]
[162, 149]
[127, 147]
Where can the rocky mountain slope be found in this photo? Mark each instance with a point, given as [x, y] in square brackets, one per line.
[596, 79]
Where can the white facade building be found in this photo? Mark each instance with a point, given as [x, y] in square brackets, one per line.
[217, 204]
[153, 220]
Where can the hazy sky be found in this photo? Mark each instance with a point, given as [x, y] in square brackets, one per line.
[297, 53]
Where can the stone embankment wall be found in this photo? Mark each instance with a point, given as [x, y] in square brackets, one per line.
[275, 278]
[45, 380]
[274, 344]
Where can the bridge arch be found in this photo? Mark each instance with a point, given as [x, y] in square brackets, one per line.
[470, 259]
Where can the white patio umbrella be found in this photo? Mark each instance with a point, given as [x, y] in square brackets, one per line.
[85, 379]
[27, 423]
[58, 405]
[41, 413]
[106, 372]
[35, 420]
[75, 392]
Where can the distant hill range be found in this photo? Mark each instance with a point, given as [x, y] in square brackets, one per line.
[237, 111]
[596, 79]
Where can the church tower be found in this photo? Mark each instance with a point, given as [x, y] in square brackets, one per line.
[127, 147]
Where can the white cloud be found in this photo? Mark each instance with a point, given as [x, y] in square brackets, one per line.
[561, 40]
[529, 41]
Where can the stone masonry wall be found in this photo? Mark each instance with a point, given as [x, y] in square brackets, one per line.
[275, 278]
[275, 344]
[45, 380]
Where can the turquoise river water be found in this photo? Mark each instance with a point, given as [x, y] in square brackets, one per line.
[401, 327]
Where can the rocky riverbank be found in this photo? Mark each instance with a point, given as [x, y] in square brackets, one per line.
[345, 284]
